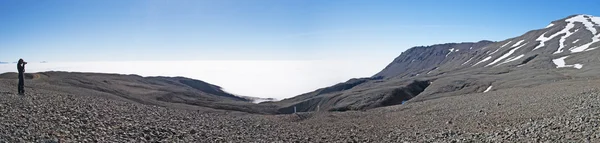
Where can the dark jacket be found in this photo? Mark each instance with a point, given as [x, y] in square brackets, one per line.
[21, 67]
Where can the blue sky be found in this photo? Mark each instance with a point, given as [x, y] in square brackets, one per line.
[142, 30]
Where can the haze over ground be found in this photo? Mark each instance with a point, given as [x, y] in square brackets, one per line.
[271, 45]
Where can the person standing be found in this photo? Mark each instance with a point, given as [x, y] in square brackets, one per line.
[21, 69]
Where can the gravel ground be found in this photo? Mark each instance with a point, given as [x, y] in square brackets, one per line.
[568, 111]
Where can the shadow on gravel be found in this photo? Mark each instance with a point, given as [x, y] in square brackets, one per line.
[400, 95]
[395, 95]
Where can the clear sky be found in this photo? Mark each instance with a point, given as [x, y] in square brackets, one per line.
[143, 30]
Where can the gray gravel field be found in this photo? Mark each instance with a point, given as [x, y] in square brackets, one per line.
[567, 111]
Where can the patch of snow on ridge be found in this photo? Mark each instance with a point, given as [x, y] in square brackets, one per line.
[488, 89]
[576, 41]
[591, 49]
[586, 46]
[467, 61]
[589, 26]
[581, 18]
[595, 19]
[495, 51]
[560, 63]
[512, 59]
[451, 50]
[544, 39]
[506, 55]
[561, 42]
[486, 59]
[506, 44]
[551, 24]
[518, 43]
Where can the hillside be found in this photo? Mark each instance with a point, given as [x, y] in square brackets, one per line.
[174, 92]
[565, 49]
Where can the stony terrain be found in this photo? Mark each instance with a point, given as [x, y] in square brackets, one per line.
[565, 111]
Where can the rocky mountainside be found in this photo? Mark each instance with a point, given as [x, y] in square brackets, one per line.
[565, 49]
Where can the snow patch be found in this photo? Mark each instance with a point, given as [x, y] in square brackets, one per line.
[512, 59]
[488, 89]
[561, 43]
[575, 41]
[591, 49]
[518, 43]
[505, 55]
[595, 19]
[589, 26]
[560, 63]
[486, 59]
[495, 51]
[551, 24]
[581, 18]
[505, 44]
[467, 61]
[544, 39]
[451, 50]
[585, 46]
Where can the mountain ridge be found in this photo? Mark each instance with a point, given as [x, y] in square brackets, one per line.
[563, 50]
